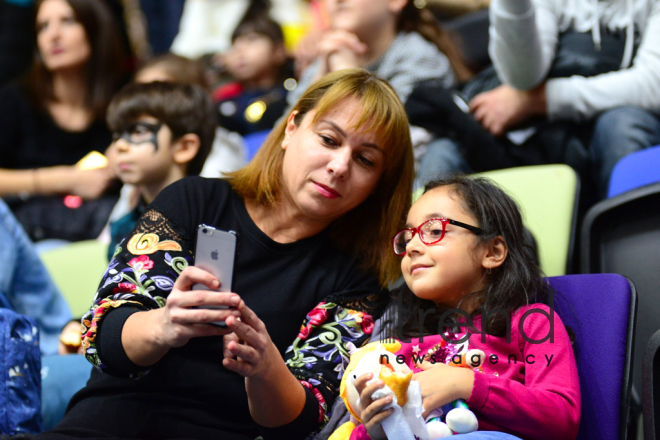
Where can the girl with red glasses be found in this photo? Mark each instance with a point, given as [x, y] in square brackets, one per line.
[465, 255]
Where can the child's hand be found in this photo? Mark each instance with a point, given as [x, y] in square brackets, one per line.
[69, 342]
[442, 384]
[307, 50]
[341, 50]
[372, 413]
[90, 184]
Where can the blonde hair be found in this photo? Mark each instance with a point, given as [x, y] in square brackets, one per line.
[366, 231]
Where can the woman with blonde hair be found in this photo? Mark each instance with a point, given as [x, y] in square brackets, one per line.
[313, 213]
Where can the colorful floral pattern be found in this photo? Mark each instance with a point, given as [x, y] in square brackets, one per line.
[321, 352]
[141, 276]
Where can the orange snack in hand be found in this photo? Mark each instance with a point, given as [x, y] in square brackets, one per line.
[397, 382]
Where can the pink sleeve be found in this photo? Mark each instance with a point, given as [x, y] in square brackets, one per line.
[547, 405]
[360, 433]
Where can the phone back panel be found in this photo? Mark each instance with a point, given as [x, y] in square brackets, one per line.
[215, 252]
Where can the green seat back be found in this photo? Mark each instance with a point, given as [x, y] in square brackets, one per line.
[547, 196]
[76, 269]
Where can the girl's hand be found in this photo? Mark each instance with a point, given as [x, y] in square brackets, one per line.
[306, 51]
[256, 355]
[371, 411]
[180, 321]
[442, 384]
[340, 50]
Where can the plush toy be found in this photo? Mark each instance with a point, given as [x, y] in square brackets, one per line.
[380, 360]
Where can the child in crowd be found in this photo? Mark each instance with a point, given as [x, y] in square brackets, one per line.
[464, 250]
[162, 132]
[228, 152]
[256, 62]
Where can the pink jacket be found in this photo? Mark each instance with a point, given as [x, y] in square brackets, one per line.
[530, 390]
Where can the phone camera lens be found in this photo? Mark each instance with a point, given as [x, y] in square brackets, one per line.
[205, 231]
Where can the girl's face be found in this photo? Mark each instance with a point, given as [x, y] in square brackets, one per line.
[329, 168]
[360, 16]
[61, 38]
[446, 271]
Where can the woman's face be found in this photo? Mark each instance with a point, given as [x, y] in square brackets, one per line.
[330, 168]
[61, 38]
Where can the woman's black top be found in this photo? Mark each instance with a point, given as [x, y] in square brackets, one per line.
[315, 301]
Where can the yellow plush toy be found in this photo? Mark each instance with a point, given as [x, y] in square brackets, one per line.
[379, 359]
[374, 355]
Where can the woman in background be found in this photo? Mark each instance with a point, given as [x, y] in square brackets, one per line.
[54, 119]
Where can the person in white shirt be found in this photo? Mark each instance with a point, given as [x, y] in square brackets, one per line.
[623, 104]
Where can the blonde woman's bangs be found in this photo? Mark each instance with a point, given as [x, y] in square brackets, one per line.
[379, 112]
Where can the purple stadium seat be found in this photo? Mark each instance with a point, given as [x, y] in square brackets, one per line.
[600, 309]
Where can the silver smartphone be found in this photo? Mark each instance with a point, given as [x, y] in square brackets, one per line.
[215, 252]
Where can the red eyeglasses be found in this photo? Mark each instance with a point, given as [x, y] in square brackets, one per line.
[430, 232]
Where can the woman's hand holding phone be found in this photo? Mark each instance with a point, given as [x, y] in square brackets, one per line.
[186, 314]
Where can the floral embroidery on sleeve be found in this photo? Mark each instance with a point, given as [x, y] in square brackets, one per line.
[141, 244]
[320, 353]
[140, 277]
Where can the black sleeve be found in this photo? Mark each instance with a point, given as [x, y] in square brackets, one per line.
[143, 269]
[140, 276]
[10, 124]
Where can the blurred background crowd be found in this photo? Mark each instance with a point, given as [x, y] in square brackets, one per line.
[515, 83]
